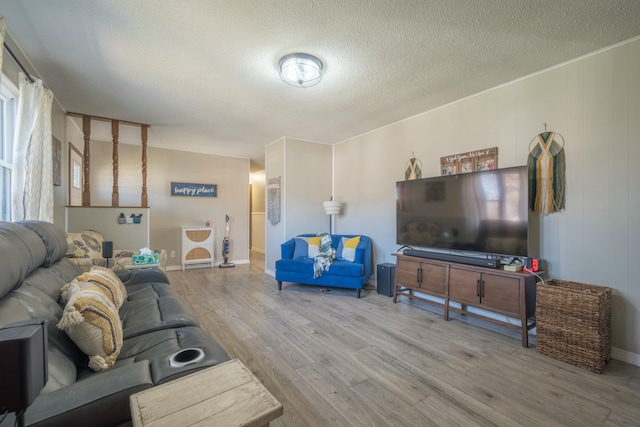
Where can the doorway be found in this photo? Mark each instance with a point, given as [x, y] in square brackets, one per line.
[257, 212]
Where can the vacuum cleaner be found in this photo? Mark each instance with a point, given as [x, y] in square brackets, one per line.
[226, 245]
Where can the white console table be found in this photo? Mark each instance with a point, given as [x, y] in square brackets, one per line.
[198, 243]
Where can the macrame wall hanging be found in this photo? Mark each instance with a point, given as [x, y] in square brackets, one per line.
[546, 165]
[273, 200]
[413, 169]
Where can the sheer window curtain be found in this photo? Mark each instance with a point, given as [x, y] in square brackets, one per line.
[32, 172]
[3, 28]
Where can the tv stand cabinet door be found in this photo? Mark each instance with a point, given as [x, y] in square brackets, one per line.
[501, 294]
[464, 286]
[434, 278]
[407, 273]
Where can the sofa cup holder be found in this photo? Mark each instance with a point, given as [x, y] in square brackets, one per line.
[185, 357]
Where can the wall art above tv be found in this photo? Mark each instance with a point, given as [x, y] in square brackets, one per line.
[471, 161]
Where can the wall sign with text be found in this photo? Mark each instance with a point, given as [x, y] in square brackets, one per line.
[194, 190]
[472, 161]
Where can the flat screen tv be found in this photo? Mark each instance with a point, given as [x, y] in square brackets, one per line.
[478, 213]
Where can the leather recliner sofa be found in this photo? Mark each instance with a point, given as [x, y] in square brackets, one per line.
[156, 325]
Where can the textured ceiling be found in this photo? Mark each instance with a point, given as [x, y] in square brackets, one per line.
[203, 73]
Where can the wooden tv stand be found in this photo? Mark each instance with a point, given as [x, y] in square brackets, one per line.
[512, 294]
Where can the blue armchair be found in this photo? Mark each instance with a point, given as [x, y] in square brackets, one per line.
[341, 273]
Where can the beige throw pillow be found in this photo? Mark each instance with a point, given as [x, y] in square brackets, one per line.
[104, 278]
[91, 321]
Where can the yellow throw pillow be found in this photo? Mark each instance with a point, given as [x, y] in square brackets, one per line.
[92, 322]
[105, 279]
[349, 248]
[314, 246]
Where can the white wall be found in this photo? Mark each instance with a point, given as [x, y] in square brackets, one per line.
[170, 213]
[104, 220]
[305, 168]
[595, 104]
[274, 233]
[308, 175]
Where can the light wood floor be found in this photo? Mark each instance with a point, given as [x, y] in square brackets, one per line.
[334, 360]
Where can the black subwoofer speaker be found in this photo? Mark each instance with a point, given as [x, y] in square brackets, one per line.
[107, 249]
[386, 276]
[23, 363]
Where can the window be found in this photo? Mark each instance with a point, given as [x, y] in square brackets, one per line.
[8, 95]
[76, 174]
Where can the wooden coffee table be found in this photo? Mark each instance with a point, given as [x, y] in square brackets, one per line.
[227, 394]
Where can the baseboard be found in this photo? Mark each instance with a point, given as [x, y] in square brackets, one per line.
[187, 267]
[270, 272]
[625, 356]
[204, 265]
[237, 261]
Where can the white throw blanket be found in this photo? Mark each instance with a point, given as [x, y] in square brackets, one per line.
[325, 257]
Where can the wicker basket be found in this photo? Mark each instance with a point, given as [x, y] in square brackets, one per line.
[573, 322]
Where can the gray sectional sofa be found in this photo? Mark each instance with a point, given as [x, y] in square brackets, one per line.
[156, 326]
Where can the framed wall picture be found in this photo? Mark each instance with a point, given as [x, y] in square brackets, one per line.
[472, 161]
[449, 168]
[487, 162]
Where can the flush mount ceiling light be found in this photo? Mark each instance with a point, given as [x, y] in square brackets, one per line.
[301, 70]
